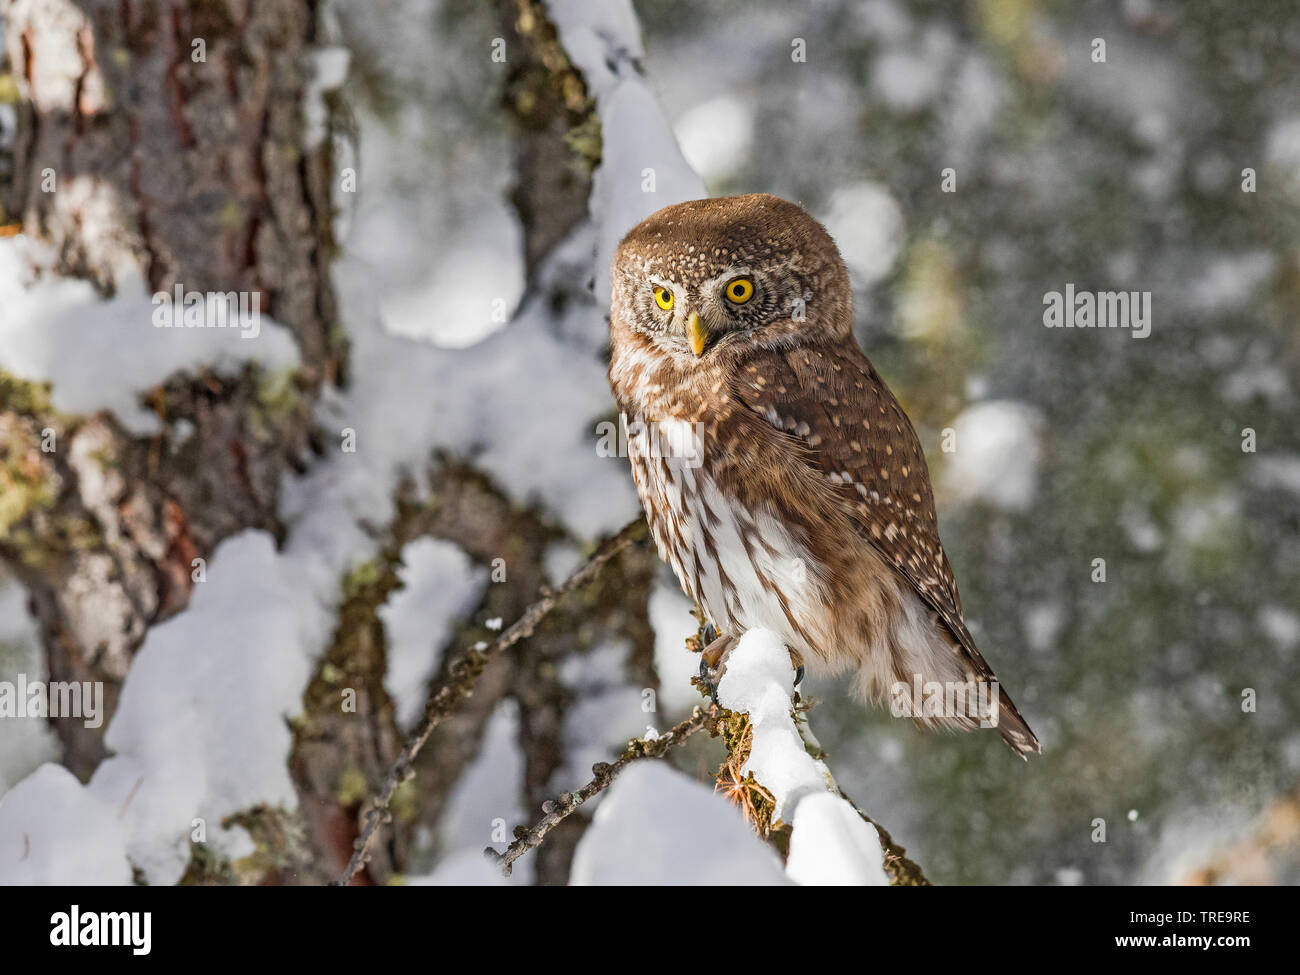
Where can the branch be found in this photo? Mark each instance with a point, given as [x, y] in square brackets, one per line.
[530, 837]
[463, 672]
[755, 701]
[902, 871]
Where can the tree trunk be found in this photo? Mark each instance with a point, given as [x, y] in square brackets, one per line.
[163, 136]
[174, 134]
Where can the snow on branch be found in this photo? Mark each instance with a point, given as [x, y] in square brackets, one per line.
[658, 826]
[830, 842]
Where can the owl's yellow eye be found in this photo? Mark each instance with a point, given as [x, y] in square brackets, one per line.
[664, 298]
[740, 291]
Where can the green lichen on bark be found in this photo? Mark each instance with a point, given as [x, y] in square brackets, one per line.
[26, 481]
[24, 488]
[32, 532]
[22, 396]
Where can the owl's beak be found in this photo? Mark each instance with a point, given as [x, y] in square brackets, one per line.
[696, 333]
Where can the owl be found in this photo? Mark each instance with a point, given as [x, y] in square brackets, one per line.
[780, 478]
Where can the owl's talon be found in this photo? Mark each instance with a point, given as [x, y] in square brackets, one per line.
[713, 663]
[705, 680]
[798, 675]
[709, 634]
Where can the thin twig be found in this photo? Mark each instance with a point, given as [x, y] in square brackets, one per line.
[530, 837]
[463, 672]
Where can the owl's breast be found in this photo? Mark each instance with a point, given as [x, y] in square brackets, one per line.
[665, 456]
[740, 563]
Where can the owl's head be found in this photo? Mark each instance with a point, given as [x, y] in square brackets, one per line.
[705, 276]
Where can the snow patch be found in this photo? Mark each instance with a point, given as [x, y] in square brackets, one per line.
[200, 730]
[484, 808]
[54, 832]
[658, 827]
[1276, 471]
[466, 868]
[867, 224]
[28, 743]
[716, 137]
[440, 586]
[671, 619]
[997, 455]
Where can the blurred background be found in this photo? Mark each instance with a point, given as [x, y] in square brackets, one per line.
[453, 319]
[1128, 175]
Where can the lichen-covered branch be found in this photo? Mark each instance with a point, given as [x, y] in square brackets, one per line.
[464, 673]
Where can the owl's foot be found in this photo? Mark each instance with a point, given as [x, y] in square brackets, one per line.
[713, 661]
[706, 683]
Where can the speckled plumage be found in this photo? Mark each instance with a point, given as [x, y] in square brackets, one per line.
[780, 477]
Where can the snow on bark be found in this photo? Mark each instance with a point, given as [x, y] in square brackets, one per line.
[642, 169]
[200, 732]
[104, 355]
[440, 585]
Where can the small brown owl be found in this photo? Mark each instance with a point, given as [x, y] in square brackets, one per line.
[780, 478]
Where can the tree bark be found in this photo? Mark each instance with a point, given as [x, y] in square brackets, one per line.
[195, 172]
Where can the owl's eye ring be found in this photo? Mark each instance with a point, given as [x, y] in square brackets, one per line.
[739, 290]
[663, 298]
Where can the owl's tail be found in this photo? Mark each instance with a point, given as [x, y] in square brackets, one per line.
[925, 703]
[1015, 730]
[942, 683]
[936, 675]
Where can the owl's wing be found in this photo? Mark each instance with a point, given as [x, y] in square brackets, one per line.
[842, 420]
[833, 403]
